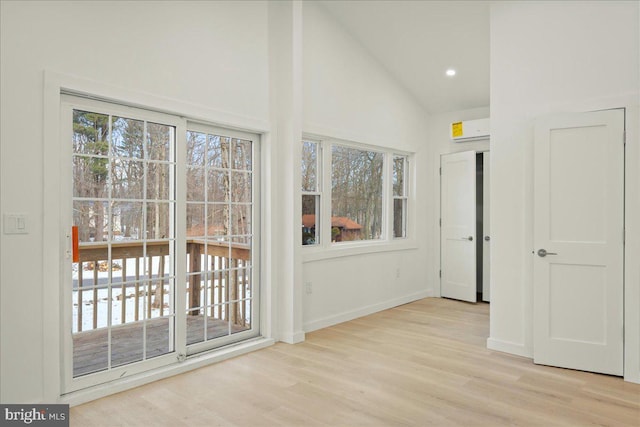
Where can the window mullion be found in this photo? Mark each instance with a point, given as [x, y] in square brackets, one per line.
[180, 259]
[408, 188]
[325, 198]
[387, 196]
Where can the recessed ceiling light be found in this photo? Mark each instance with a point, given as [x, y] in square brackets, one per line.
[451, 72]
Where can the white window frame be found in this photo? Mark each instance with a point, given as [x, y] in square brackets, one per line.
[179, 348]
[198, 347]
[404, 196]
[70, 383]
[318, 191]
[327, 249]
[56, 239]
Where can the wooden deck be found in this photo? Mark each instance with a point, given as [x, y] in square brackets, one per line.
[90, 352]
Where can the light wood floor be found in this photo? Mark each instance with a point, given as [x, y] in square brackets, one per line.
[421, 364]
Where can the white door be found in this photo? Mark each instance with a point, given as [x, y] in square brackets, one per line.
[578, 222]
[486, 242]
[458, 227]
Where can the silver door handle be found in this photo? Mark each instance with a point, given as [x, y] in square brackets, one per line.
[543, 253]
[470, 238]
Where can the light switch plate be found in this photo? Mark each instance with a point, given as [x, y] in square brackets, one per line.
[16, 223]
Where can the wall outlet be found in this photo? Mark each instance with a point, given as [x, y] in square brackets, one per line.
[308, 286]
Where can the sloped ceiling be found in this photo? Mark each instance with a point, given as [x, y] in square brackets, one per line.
[417, 41]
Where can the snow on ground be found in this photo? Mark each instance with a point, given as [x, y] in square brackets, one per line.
[112, 298]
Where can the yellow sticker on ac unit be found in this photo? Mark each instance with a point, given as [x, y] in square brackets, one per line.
[456, 129]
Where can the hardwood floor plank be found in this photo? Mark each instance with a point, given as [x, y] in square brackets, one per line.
[420, 364]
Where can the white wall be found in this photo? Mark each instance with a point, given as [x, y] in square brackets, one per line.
[285, 96]
[209, 54]
[440, 142]
[348, 95]
[551, 57]
[228, 62]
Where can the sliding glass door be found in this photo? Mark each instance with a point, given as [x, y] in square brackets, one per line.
[152, 202]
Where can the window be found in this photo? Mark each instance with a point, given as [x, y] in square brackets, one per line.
[310, 192]
[351, 193]
[399, 197]
[356, 194]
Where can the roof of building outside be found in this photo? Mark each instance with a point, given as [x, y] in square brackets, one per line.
[309, 221]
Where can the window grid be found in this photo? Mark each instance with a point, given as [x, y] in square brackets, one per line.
[100, 179]
[219, 215]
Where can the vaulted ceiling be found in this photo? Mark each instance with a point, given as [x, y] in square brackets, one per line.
[417, 41]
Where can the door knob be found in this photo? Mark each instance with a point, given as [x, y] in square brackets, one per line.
[470, 238]
[543, 253]
[486, 238]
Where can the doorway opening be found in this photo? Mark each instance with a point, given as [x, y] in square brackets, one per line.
[464, 222]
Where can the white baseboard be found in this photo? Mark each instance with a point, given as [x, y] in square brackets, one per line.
[632, 379]
[293, 338]
[509, 347]
[325, 322]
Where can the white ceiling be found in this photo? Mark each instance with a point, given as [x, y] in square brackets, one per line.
[416, 41]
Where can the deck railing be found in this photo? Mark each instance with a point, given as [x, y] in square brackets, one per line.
[227, 276]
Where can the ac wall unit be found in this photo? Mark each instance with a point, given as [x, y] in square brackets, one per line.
[469, 130]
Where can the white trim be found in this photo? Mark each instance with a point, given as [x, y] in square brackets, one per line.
[318, 253]
[268, 295]
[70, 382]
[52, 241]
[364, 311]
[326, 249]
[632, 246]
[180, 259]
[387, 197]
[255, 139]
[54, 237]
[406, 195]
[355, 144]
[631, 103]
[293, 338]
[316, 131]
[116, 95]
[211, 129]
[518, 349]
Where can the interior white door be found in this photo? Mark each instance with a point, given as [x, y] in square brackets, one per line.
[578, 241]
[486, 230]
[458, 227]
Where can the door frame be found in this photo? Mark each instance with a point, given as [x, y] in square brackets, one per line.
[542, 338]
[438, 214]
[54, 238]
[486, 228]
[179, 349]
[520, 343]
